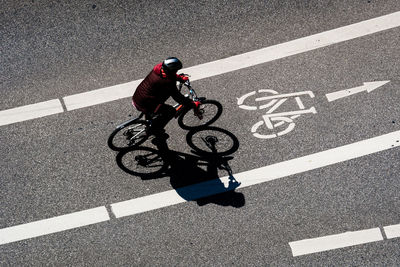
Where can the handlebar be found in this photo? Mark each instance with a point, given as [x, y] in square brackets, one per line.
[187, 84]
[189, 87]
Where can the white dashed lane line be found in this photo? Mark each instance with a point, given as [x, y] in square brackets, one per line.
[348, 239]
[325, 243]
[30, 112]
[392, 231]
[53, 225]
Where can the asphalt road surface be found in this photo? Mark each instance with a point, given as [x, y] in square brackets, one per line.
[314, 181]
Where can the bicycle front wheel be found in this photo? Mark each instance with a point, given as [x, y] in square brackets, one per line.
[126, 136]
[211, 111]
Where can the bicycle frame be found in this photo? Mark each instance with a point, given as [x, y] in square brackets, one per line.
[135, 127]
[191, 95]
[123, 125]
[178, 107]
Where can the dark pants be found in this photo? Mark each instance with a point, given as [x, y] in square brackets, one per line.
[161, 118]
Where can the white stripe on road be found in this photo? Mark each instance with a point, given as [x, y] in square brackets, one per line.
[260, 175]
[249, 59]
[180, 195]
[237, 62]
[53, 225]
[392, 231]
[319, 160]
[330, 242]
[295, 47]
[171, 197]
[100, 96]
[30, 112]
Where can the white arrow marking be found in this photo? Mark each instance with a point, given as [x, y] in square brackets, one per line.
[369, 87]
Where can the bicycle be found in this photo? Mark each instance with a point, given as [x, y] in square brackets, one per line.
[135, 131]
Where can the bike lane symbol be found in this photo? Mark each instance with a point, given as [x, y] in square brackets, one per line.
[271, 124]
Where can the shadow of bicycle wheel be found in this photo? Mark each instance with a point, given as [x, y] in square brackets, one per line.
[141, 161]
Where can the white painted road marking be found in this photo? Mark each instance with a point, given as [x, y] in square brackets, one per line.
[53, 225]
[264, 174]
[229, 64]
[330, 242]
[269, 128]
[392, 231]
[173, 197]
[169, 198]
[100, 96]
[309, 93]
[30, 112]
[368, 87]
[250, 59]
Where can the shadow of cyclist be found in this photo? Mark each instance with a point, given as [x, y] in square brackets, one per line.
[197, 178]
[194, 176]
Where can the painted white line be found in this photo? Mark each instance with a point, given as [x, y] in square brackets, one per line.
[330, 242]
[29, 112]
[53, 225]
[222, 66]
[309, 93]
[392, 231]
[319, 160]
[260, 175]
[300, 103]
[294, 47]
[100, 96]
[246, 60]
[171, 197]
[277, 105]
[213, 187]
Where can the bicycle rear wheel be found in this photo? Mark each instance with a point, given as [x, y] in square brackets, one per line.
[125, 136]
[211, 111]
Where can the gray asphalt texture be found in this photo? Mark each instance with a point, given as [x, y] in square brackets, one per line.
[61, 164]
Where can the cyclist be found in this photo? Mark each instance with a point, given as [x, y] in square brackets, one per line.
[155, 89]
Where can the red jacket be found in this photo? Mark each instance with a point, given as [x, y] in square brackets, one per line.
[155, 90]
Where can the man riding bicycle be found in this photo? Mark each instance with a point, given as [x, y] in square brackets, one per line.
[155, 89]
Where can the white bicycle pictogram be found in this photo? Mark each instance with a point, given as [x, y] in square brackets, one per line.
[272, 121]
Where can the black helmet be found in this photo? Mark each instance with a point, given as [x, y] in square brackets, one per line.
[172, 65]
